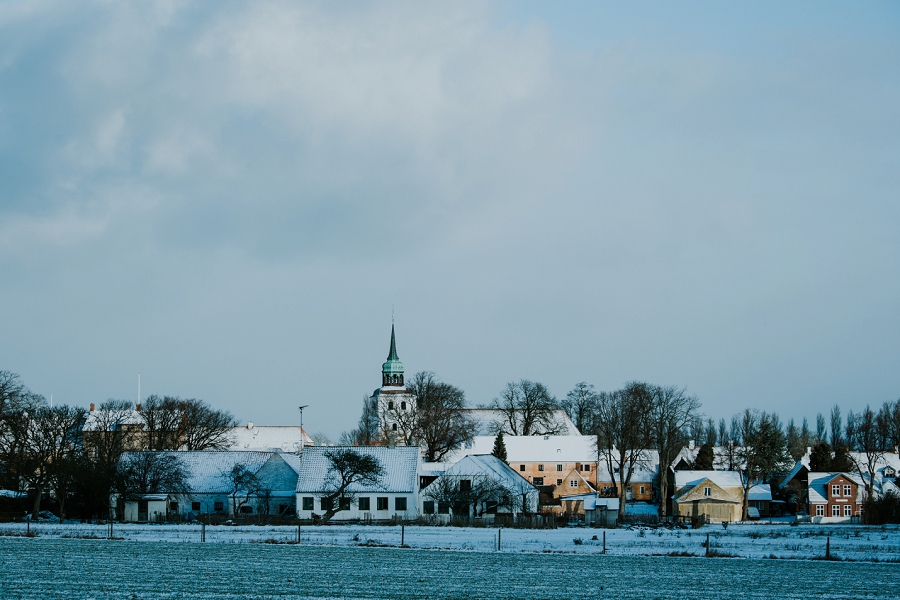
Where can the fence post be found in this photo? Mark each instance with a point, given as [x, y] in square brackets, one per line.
[707, 544]
[828, 548]
[402, 534]
[498, 539]
[604, 542]
[202, 532]
[298, 533]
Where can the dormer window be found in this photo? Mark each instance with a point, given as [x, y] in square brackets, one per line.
[890, 472]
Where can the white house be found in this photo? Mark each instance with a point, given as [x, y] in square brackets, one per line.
[212, 488]
[393, 497]
[480, 484]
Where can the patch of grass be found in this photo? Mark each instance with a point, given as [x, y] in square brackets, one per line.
[720, 554]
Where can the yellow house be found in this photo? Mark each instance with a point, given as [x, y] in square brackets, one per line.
[573, 484]
[709, 496]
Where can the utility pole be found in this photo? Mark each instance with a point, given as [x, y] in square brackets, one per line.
[302, 434]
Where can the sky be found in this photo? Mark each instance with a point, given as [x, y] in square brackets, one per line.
[233, 198]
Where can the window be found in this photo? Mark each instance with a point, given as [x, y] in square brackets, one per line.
[390, 406]
[364, 503]
[218, 506]
[399, 503]
[403, 406]
[173, 506]
[443, 508]
[820, 510]
[521, 467]
[835, 490]
[847, 490]
[707, 491]
[324, 504]
[344, 503]
[643, 489]
[559, 467]
[381, 503]
[835, 510]
[586, 468]
[538, 481]
[195, 506]
[559, 482]
[573, 483]
[246, 510]
[308, 504]
[284, 509]
[394, 427]
[848, 510]
[428, 507]
[465, 485]
[540, 467]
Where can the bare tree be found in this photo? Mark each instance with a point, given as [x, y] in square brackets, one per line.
[528, 409]
[672, 409]
[439, 423]
[366, 432]
[624, 433]
[762, 450]
[162, 422]
[347, 468]
[867, 436]
[581, 406]
[142, 473]
[204, 427]
[243, 484]
[59, 428]
[837, 440]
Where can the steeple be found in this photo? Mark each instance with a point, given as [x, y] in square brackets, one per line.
[392, 370]
[392, 355]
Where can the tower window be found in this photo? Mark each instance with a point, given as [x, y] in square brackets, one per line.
[403, 406]
[390, 406]
[394, 427]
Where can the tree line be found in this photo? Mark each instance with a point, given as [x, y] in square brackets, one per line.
[81, 457]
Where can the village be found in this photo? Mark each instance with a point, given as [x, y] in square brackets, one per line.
[554, 476]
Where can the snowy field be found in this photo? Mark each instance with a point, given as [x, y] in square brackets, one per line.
[758, 540]
[54, 567]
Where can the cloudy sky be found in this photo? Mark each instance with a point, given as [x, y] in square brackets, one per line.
[230, 197]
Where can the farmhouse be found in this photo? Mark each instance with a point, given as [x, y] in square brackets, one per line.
[709, 496]
[394, 496]
[834, 497]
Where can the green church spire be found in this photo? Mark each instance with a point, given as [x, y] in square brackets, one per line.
[392, 370]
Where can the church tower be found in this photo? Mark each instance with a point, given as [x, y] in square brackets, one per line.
[392, 370]
[392, 401]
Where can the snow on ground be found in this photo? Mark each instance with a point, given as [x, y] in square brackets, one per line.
[46, 567]
[756, 540]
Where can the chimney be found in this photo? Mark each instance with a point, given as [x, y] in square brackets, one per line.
[137, 407]
[249, 424]
[92, 407]
[690, 444]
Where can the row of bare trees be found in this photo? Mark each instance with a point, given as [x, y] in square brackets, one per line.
[77, 455]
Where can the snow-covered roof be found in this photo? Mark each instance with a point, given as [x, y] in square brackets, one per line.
[723, 479]
[720, 457]
[760, 492]
[286, 438]
[400, 466]
[818, 481]
[488, 464]
[209, 471]
[485, 418]
[536, 448]
[793, 473]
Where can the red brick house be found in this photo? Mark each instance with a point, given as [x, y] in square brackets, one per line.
[834, 497]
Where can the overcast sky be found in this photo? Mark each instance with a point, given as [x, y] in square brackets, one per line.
[229, 198]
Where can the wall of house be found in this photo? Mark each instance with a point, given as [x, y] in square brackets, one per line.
[842, 502]
[373, 513]
[710, 511]
[553, 473]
